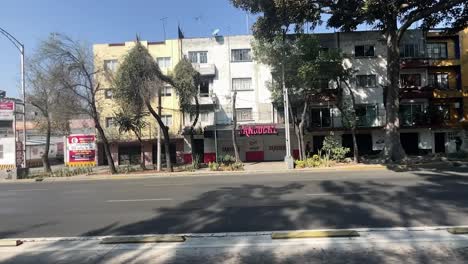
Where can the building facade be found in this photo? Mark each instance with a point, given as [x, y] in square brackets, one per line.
[125, 147]
[433, 83]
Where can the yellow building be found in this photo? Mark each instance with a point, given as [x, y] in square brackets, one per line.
[125, 147]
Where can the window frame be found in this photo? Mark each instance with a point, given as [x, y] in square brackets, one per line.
[164, 119]
[374, 78]
[436, 82]
[418, 83]
[365, 49]
[444, 49]
[165, 90]
[198, 55]
[241, 55]
[250, 88]
[238, 114]
[106, 95]
[166, 65]
[114, 67]
[322, 117]
[110, 122]
[374, 107]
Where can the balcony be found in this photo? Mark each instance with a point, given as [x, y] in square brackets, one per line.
[205, 69]
[205, 99]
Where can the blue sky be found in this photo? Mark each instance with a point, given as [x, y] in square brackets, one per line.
[104, 21]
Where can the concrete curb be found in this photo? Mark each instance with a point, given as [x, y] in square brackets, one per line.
[314, 234]
[458, 230]
[10, 243]
[141, 240]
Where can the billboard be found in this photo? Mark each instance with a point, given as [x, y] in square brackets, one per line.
[7, 109]
[81, 150]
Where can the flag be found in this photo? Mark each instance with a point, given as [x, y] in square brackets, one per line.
[181, 34]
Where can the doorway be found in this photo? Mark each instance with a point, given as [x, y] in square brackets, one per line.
[410, 143]
[317, 143]
[199, 149]
[439, 139]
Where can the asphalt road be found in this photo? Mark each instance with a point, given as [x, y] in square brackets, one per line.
[234, 203]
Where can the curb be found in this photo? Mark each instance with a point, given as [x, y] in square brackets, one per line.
[141, 240]
[314, 234]
[10, 243]
[458, 230]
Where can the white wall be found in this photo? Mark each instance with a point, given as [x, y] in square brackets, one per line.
[8, 151]
[219, 54]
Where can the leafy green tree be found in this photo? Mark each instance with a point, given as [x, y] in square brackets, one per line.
[76, 72]
[187, 82]
[137, 82]
[394, 18]
[132, 123]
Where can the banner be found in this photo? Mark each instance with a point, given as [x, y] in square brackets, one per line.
[81, 150]
[7, 109]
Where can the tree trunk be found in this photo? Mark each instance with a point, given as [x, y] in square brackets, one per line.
[105, 143]
[165, 130]
[299, 139]
[192, 128]
[301, 131]
[45, 155]
[234, 128]
[355, 145]
[143, 156]
[393, 151]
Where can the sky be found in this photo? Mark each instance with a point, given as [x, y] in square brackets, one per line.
[107, 21]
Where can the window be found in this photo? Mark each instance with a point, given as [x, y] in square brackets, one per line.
[438, 80]
[111, 65]
[364, 51]
[366, 115]
[1, 151]
[366, 81]
[198, 56]
[238, 55]
[167, 120]
[323, 84]
[109, 122]
[320, 117]
[412, 114]
[244, 114]
[409, 50]
[410, 80]
[108, 93]
[437, 50]
[166, 91]
[242, 84]
[204, 116]
[164, 62]
[442, 112]
[204, 88]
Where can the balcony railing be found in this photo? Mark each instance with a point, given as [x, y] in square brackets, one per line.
[6, 132]
[206, 98]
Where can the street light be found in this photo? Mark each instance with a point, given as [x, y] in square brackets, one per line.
[20, 47]
[288, 159]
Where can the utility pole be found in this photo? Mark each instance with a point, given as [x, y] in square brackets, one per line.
[288, 158]
[158, 153]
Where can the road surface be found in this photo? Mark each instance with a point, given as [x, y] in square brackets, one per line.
[234, 203]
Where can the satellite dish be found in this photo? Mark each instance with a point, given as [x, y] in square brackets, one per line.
[215, 32]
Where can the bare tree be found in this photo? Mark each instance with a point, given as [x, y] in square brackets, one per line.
[78, 75]
[235, 145]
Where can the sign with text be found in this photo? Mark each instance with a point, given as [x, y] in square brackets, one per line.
[7, 109]
[81, 150]
[252, 130]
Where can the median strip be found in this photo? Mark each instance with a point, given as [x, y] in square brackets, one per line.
[144, 239]
[458, 230]
[10, 243]
[314, 234]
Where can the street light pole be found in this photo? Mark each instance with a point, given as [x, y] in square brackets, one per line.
[20, 47]
[288, 159]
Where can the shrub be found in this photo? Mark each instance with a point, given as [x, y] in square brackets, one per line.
[214, 166]
[228, 159]
[333, 150]
[314, 161]
[300, 164]
[237, 166]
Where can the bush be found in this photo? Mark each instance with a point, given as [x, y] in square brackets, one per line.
[214, 166]
[228, 159]
[237, 166]
[314, 161]
[333, 149]
[300, 164]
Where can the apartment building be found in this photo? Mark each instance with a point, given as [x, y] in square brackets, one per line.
[433, 112]
[125, 147]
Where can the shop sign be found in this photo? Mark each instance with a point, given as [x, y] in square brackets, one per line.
[6, 110]
[258, 130]
[81, 149]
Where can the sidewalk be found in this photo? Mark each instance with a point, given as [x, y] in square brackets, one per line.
[249, 168]
[418, 245]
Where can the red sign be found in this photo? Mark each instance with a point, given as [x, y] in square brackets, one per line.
[7, 106]
[81, 148]
[258, 130]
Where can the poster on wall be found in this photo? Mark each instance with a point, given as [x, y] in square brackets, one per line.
[81, 150]
[7, 109]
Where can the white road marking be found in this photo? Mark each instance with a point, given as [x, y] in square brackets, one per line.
[27, 190]
[139, 200]
[335, 194]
